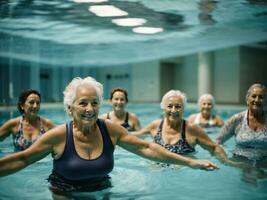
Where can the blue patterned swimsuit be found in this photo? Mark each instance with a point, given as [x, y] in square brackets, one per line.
[180, 147]
[21, 143]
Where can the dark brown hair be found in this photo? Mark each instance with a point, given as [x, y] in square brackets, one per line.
[23, 97]
[118, 89]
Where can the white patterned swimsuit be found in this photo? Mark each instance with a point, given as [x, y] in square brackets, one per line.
[249, 143]
[210, 123]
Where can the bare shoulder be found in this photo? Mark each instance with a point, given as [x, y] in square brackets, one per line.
[134, 119]
[154, 125]
[47, 123]
[191, 117]
[13, 122]
[194, 129]
[133, 116]
[57, 133]
[156, 122]
[115, 131]
[219, 120]
[104, 116]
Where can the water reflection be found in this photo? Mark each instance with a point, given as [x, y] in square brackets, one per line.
[61, 32]
[206, 7]
[77, 14]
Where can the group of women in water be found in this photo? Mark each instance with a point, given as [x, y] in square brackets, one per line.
[83, 148]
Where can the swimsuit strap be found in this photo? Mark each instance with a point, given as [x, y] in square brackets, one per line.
[108, 116]
[20, 124]
[183, 130]
[126, 118]
[42, 129]
[160, 127]
[248, 117]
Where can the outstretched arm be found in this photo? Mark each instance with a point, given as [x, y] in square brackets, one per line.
[41, 148]
[48, 124]
[206, 143]
[136, 122]
[148, 129]
[215, 149]
[6, 128]
[156, 152]
[228, 129]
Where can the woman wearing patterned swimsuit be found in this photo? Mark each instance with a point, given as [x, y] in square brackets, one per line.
[178, 135]
[83, 149]
[29, 127]
[119, 99]
[205, 118]
[249, 129]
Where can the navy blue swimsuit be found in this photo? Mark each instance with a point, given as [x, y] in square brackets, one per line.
[73, 173]
[181, 147]
[125, 124]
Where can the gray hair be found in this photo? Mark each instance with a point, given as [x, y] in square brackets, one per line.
[171, 93]
[206, 96]
[255, 85]
[71, 89]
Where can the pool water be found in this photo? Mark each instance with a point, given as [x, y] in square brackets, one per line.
[136, 178]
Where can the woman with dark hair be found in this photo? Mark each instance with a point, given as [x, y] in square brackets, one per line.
[119, 99]
[26, 129]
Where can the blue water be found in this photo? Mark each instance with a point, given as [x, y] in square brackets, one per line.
[136, 178]
[65, 33]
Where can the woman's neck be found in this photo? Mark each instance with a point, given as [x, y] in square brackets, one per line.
[31, 119]
[84, 129]
[174, 124]
[206, 116]
[257, 114]
[119, 114]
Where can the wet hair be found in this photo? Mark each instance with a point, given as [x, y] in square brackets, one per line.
[171, 93]
[255, 85]
[206, 96]
[23, 97]
[71, 89]
[118, 89]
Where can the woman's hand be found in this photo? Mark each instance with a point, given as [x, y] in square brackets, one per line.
[203, 164]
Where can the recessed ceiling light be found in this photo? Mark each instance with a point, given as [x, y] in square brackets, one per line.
[89, 1]
[129, 21]
[147, 30]
[107, 11]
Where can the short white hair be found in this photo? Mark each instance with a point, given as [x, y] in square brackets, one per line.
[71, 90]
[173, 93]
[206, 96]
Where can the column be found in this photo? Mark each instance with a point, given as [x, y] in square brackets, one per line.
[205, 62]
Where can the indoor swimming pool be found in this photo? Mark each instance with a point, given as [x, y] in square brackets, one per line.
[136, 178]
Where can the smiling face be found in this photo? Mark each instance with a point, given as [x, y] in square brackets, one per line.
[257, 99]
[174, 108]
[31, 106]
[86, 106]
[118, 101]
[206, 106]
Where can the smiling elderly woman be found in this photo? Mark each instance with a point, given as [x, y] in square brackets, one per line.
[249, 128]
[206, 117]
[83, 148]
[178, 135]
